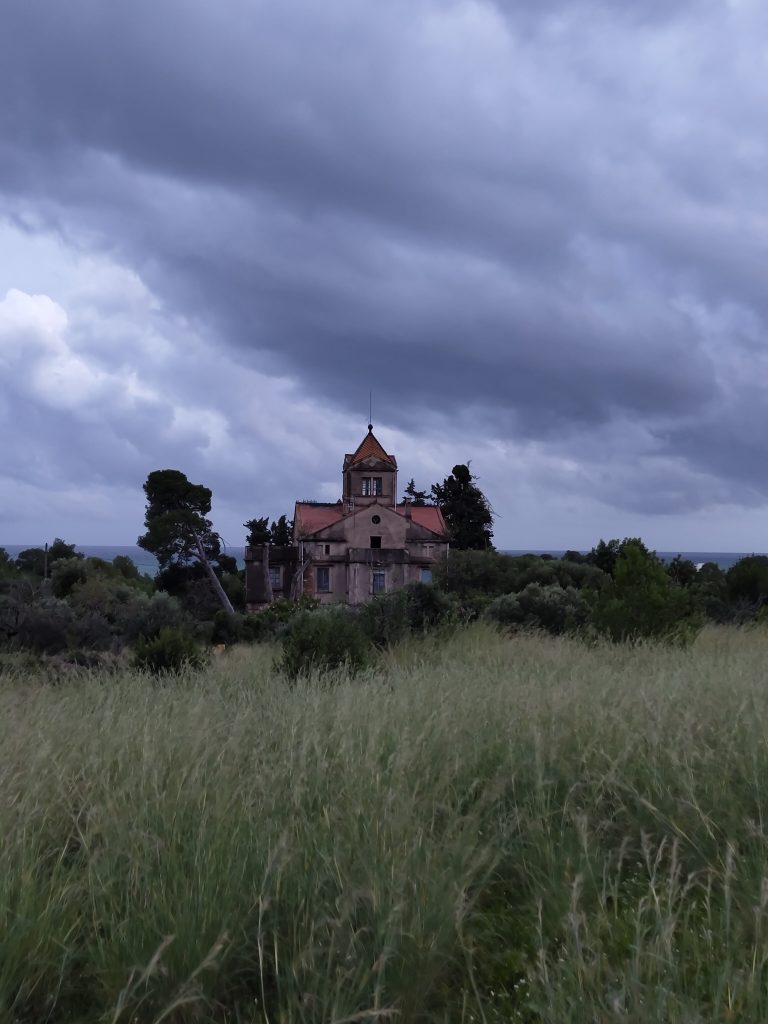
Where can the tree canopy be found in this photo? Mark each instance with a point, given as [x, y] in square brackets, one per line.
[415, 496]
[32, 561]
[466, 510]
[176, 520]
[279, 534]
[179, 534]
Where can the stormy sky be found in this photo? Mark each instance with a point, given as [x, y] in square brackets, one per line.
[536, 230]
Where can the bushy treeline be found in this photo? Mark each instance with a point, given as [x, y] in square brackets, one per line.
[619, 588]
[89, 611]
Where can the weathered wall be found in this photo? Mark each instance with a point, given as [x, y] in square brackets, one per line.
[360, 527]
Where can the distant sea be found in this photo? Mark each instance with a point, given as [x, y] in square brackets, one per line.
[147, 564]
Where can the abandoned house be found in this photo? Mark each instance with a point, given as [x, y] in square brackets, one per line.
[364, 544]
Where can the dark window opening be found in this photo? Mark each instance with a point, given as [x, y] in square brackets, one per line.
[379, 582]
[375, 542]
[327, 549]
[323, 580]
[375, 520]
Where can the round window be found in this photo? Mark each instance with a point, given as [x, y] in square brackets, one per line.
[376, 520]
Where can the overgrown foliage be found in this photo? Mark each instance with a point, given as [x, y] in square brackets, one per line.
[322, 641]
[171, 651]
[551, 607]
[642, 600]
[279, 534]
[466, 510]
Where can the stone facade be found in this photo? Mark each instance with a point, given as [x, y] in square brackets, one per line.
[364, 544]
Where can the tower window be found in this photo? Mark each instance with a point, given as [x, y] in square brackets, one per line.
[375, 520]
[377, 489]
[367, 486]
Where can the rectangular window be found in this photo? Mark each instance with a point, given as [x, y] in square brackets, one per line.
[366, 486]
[276, 577]
[323, 579]
[377, 485]
[375, 542]
[426, 575]
[379, 582]
[327, 549]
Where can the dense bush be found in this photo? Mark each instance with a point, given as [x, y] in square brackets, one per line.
[45, 627]
[417, 607]
[8, 570]
[467, 573]
[322, 640]
[91, 632]
[385, 620]
[168, 652]
[473, 575]
[270, 623]
[642, 601]
[553, 608]
[146, 616]
[747, 580]
[428, 607]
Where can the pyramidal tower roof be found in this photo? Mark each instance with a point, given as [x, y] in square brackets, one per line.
[368, 448]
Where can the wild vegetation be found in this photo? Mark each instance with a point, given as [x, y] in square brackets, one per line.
[479, 826]
[531, 791]
[89, 612]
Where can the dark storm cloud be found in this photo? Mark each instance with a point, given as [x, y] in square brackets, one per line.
[495, 212]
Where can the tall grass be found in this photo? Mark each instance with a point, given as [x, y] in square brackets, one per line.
[480, 829]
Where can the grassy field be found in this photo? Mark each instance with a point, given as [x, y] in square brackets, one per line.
[481, 829]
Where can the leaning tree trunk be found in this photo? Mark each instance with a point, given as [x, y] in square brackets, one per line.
[215, 581]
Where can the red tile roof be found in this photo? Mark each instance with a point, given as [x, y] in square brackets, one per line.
[311, 517]
[428, 516]
[369, 447]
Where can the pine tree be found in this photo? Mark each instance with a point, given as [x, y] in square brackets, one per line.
[466, 510]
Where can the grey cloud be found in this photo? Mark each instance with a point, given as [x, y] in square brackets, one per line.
[350, 194]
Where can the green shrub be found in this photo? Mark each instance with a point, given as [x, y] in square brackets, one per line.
[642, 601]
[66, 574]
[467, 573]
[553, 608]
[146, 616]
[428, 607]
[385, 619]
[45, 627]
[271, 623]
[324, 640]
[747, 580]
[91, 632]
[170, 651]
[227, 627]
